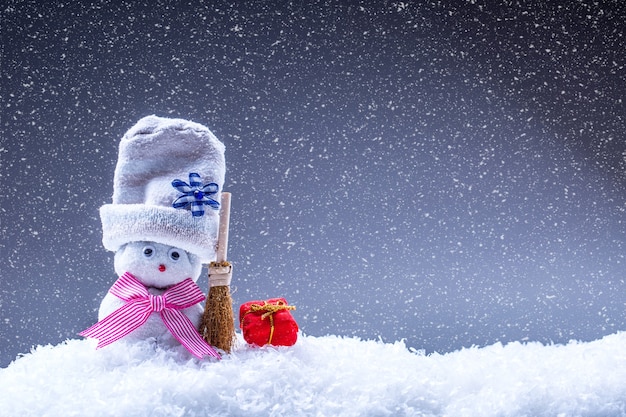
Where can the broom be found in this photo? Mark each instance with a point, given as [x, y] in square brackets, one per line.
[218, 322]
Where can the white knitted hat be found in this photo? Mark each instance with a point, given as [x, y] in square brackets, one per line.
[167, 187]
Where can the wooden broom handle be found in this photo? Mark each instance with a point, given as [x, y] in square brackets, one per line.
[222, 237]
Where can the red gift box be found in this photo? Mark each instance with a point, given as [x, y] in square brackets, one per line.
[268, 322]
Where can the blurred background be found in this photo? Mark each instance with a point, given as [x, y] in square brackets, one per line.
[448, 173]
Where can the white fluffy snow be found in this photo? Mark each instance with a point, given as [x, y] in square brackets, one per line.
[319, 376]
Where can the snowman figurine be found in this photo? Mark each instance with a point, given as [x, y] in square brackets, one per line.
[162, 228]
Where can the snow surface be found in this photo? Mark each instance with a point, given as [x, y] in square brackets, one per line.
[319, 376]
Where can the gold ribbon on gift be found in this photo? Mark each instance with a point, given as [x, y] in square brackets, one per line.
[269, 309]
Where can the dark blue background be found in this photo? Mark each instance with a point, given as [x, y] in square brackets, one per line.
[448, 173]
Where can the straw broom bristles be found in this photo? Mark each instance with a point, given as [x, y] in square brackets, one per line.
[218, 319]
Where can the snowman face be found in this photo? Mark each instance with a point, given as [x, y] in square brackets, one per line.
[157, 265]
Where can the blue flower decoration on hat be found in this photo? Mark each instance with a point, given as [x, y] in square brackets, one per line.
[195, 195]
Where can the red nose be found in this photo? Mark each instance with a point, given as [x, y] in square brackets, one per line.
[162, 268]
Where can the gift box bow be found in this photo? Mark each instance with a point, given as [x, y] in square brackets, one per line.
[269, 309]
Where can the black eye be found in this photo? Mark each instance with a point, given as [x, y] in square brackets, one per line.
[174, 255]
[148, 251]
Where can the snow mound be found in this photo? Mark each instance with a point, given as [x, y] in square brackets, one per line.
[320, 376]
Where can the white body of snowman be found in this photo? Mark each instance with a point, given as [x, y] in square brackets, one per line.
[158, 267]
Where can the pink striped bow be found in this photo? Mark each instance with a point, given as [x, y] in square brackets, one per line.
[140, 304]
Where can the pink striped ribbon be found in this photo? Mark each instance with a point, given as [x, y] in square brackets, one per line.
[140, 304]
